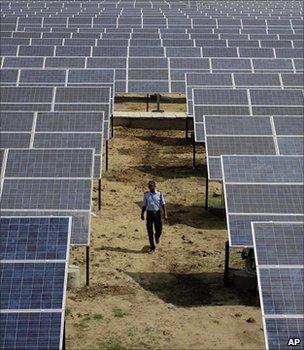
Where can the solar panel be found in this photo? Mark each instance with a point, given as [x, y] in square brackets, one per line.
[41, 238]
[240, 102]
[249, 199]
[279, 259]
[291, 145]
[280, 330]
[34, 263]
[36, 183]
[31, 330]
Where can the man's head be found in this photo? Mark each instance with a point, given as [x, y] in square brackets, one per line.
[151, 185]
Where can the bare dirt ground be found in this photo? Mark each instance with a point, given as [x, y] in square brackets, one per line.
[174, 298]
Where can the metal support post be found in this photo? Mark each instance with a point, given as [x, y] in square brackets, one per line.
[158, 104]
[87, 265]
[194, 151]
[226, 271]
[112, 125]
[147, 103]
[99, 194]
[207, 192]
[63, 338]
[187, 128]
[107, 155]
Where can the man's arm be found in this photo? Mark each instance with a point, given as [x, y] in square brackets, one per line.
[143, 209]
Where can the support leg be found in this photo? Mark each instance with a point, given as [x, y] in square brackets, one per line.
[112, 125]
[63, 337]
[194, 151]
[207, 192]
[99, 194]
[147, 103]
[226, 271]
[87, 265]
[107, 155]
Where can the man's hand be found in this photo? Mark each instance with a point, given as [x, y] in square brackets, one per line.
[142, 216]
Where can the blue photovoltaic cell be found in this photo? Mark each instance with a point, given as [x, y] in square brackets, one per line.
[279, 243]
[34, 238]
[291, 145]
[80, 221]
[280, 330]
[240, 233]
[32, 285]
[282, 290]
[16, 121]
[31, 330]
[49, 163]
[41, 194]
[263, 168]
[265, 198]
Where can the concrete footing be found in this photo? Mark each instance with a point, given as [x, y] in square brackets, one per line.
[152, 120]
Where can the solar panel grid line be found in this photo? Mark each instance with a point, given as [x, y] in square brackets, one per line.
[274, 135]
[35, 116]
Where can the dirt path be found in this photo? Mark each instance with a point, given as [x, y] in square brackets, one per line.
[173, 299]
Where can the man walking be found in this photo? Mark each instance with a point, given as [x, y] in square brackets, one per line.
[153, 203]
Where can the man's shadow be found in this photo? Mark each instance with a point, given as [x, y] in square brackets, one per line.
[144, 249]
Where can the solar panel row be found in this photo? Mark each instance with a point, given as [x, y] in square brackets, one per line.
[33, 275]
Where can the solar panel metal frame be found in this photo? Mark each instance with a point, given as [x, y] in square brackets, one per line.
[273, 134]
[280, 216]
[49, 211]
[37, 261]
[267, 266]
[33, 132]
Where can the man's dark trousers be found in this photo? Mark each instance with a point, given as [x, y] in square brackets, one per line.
[154, 218]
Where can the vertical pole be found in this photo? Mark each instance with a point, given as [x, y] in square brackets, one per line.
[226, 271]
[194, 151]
[87, 266]
[207, 192]
[158, 102]
[99, 194]
[112, 125]
[107, 155]
[147, 103]
[63, 337]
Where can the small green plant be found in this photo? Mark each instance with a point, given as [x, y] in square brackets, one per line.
[117, 312]
[68, 311]
[111, 344]
[97, 317]
[82, 325]
[86, 318]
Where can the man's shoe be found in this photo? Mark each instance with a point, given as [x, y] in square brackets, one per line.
[151, 250]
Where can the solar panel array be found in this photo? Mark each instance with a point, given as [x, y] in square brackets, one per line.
[54, 130]
[44, 182]
[280, 275]
[261, 188]
[240, 64]
[33, 275]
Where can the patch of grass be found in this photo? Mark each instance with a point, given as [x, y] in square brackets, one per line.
[86, 318]
[117, 312]
[215, 202]
[68, 311]
[112, 344]
[97, 317]
[82, 325]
